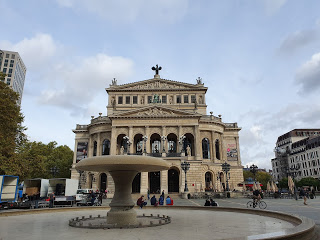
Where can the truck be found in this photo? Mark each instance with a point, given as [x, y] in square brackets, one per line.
[65, 191]
[36, 185]
[8, 190]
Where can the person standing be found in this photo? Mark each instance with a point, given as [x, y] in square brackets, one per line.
[162, 194]
[148, 194]
[51, 200]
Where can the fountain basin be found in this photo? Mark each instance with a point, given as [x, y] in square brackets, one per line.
[123, 169]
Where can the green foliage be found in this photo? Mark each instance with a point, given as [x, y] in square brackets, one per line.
[34, 160]
[11, 129]
[283, 183]
[263, 178]
[309, 181]
[247, 174]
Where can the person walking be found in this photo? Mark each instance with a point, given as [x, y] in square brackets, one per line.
[303, 194]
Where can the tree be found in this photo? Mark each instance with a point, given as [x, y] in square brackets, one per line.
[11, 129]
[263, 178]
[247, 174]
[283, 183]
[308, 181]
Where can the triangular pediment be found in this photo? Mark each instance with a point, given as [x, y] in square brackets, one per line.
[156, 84]
[154, 111]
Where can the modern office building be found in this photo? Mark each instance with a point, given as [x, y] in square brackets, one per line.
[12, 65]
[296, 153]
[167, 119]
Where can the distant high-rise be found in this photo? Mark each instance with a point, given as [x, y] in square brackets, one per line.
[12, 65]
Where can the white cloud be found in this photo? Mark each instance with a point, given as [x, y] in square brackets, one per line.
[77, 85]
[165, 11]
[36, 51]
[308, 75]
[298, 40]
[272, 6]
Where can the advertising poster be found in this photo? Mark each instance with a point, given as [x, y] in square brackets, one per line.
[82, 149]
[232, 152]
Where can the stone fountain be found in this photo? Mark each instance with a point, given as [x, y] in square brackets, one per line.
[123, 169]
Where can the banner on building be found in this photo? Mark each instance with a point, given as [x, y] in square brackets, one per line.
[82, 149]
[232, 152]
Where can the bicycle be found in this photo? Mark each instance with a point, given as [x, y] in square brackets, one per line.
[261, 204]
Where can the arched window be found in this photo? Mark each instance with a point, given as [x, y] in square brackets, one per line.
[205, 148]
[217, 149]
[138, 143]
[172, 143]
[106, 147]
[208, 181]
[95, 148]
[155, 141]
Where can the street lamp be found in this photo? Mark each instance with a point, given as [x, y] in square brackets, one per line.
[145, 139]
[185, 167]
[54, 171]
[163, 138]
[226, 169]
[253, 169]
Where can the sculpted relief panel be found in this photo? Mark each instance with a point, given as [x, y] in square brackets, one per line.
[155, 112]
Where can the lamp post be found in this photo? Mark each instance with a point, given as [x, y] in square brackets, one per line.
[163, 138]
[226, 169]
[185, 167]
[54, 171]
[145, 139]
[253, 169]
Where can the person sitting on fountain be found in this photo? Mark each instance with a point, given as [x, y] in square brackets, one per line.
[169, 201]
[161, 200]
[213, 203]
[153, 201]
[207, 203]
[141, 202]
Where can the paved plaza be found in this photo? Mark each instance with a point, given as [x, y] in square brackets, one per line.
[192, 224]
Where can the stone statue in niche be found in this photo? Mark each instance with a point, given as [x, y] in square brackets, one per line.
[142, 100]
[113, 103]
[170, 100]
[188, 150]
[200, 100]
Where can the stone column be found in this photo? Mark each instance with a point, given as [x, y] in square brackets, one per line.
[213, 143]
[164, 133]
[164, 181]
[179, 135]
[113, 147]
[131, 138]
[90, 146]
[197, 143]
[99, 148]
[144, 183]
[147, 133]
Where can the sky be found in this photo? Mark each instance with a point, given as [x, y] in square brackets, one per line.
[259, 59]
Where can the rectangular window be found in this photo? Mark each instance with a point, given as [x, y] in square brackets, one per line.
[9, 75]
[135, 99]
[6, 60]
[11, 61]
[186, 99]
[127, 99]
[7, 55]
[4, 70]
[149, 99]
[10, 70]
[120, 99]
[5, 65]
[178, 99]
[11, 64]
[193, 98]
[164, 99]
[13, 56]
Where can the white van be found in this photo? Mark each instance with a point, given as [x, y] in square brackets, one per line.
[81, 193]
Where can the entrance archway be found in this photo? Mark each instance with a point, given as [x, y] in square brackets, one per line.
[103, 182]
[154, 182]
[173, 180]
[172, 143]
[208, 181]
[155, 141]
[138, 143]
[136, 183]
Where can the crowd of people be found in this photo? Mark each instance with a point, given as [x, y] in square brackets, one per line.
[141, 202]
